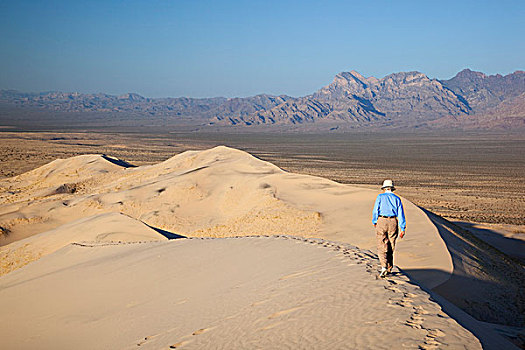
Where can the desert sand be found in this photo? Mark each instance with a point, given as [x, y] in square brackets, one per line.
[99, 272]
[257, 292]
[110, 227]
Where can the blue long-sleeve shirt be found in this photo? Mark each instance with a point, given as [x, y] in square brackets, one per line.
[388, 204]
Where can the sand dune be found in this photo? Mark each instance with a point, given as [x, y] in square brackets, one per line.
[86, 261]
[60, 171]
[252, 292]
[110, 227]
[218, 193]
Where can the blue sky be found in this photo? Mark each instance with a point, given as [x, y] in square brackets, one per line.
[241, 48]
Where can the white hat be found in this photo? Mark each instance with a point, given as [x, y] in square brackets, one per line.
[388, 183]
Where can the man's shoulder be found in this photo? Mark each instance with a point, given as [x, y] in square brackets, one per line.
[390, 194]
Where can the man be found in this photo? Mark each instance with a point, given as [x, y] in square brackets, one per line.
[388, 218]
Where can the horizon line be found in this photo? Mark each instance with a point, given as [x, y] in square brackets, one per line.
[246, 96]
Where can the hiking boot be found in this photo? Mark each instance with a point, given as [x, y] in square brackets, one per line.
[383, 272]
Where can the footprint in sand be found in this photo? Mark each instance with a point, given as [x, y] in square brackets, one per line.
[434, 333]
[413, 324]
[284, 312]
[184, 342]
[179, 344]
[146, 339]
[201, 331]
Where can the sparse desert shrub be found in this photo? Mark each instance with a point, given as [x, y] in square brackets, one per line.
[4, 231]
[66, 188]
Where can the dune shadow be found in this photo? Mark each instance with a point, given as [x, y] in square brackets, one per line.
[194, 170]
[167, 234]
[459, 298]
[508, 245]
[118, 162]
[486, 285]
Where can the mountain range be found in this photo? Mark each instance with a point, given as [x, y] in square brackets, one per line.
[405, 99]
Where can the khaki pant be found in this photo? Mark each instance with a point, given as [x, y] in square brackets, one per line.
[386, 235]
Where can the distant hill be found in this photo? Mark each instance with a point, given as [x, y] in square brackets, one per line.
[483, 92]
[130, 103]
[406, 99]
[508, 114]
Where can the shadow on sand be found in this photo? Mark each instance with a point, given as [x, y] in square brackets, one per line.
[508, 245]
[490, 335]
[486, 286]
[167, 234]
[118, 162]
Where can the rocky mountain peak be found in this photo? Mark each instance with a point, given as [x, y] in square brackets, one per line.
[344, 84]
[405, 78]
[355, 76]
[470, 74]
[131, 97]
[483, 92]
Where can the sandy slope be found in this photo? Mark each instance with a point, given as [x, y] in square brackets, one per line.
[218, 192]
[110, 227]
[258, 292]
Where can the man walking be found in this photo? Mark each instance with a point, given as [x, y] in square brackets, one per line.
[387, 217]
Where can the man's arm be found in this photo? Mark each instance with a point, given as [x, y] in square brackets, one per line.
[401, 219]
[375, 212]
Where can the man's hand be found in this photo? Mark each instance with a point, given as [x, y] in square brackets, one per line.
[402, 234]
